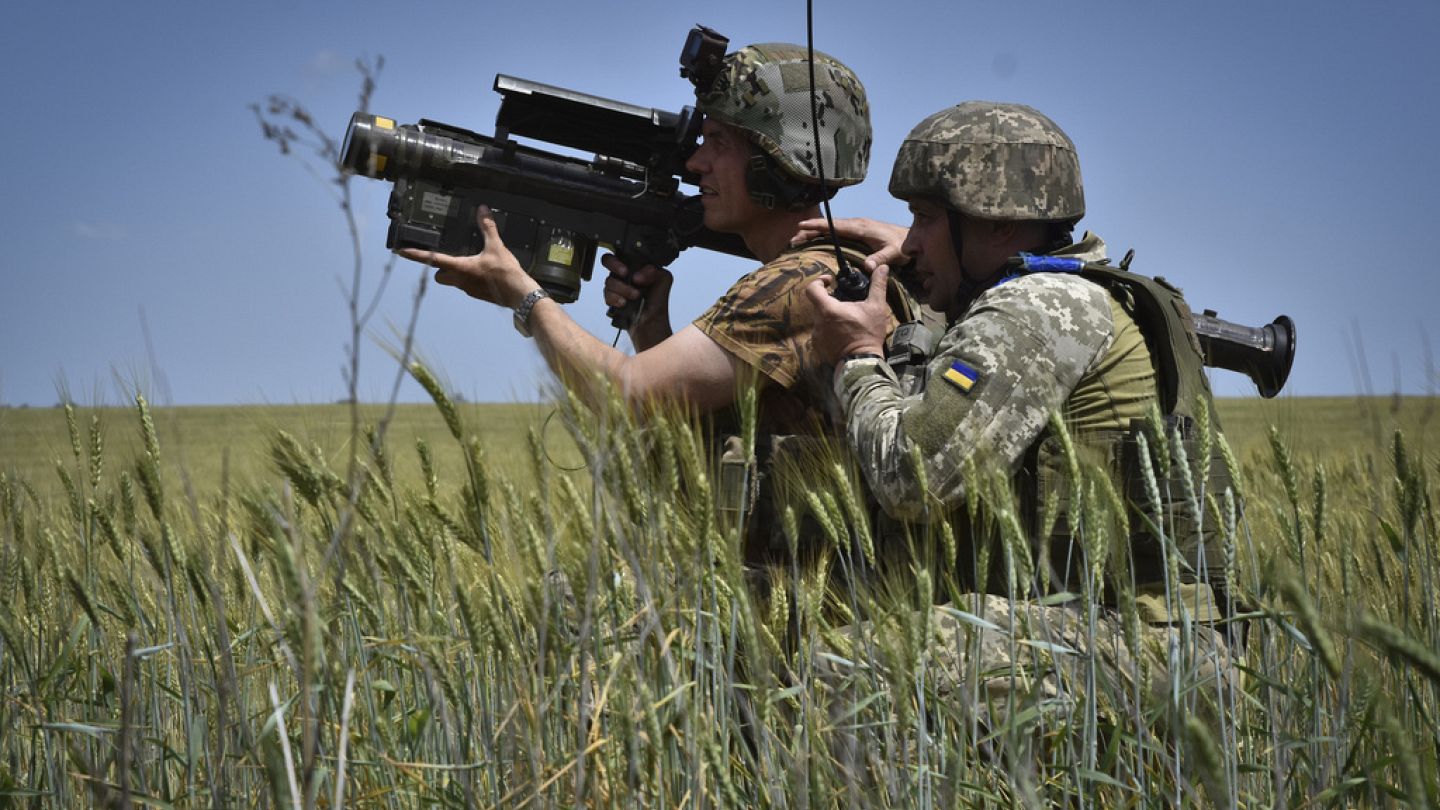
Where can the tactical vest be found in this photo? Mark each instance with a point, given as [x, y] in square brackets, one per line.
[1166, 323]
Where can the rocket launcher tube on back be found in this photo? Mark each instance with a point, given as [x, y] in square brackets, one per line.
[1263, 353]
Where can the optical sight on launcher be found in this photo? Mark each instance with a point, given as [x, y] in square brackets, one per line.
[552, 210]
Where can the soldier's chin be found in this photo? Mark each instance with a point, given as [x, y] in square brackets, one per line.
[711, 216]
[719, 223]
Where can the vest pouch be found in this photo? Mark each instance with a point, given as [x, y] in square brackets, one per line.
[1051, 531]
[737, 482]
[780, 465]
[1201, 566]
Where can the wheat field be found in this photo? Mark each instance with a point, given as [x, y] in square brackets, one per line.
[545, 606]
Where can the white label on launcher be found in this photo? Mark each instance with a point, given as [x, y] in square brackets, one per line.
[432, 203]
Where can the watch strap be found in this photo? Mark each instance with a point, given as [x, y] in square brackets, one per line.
[522, 312]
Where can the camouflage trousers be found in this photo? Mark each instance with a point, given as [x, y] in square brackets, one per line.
[1024, 667]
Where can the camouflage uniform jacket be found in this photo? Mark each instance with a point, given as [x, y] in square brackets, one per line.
[1014, 358]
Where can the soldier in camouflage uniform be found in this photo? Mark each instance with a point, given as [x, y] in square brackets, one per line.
[759, 175]
[984, 182]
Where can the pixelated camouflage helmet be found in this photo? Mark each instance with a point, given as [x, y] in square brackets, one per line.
[994, 161]
[765, 90]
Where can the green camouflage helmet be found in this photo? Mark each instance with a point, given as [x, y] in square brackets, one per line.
[992, 161]
[765, 90]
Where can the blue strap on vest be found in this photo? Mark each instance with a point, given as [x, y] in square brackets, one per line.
[1030, 263]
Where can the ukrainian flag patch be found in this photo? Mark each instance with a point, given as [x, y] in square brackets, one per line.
[962, 376]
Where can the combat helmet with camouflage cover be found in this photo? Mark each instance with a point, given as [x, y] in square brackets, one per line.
[765, 90]
[994, 161]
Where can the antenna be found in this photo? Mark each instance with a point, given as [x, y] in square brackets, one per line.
[850, 284]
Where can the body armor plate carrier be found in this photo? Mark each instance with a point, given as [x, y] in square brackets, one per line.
[1180, 520]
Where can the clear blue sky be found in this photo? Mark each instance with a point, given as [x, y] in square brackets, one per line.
[1268, 157]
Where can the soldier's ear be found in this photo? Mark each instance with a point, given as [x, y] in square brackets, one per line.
[1000, 232]
[1009, 233]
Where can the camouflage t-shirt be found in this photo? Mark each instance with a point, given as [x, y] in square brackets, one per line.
[764, 320]
[998, 373]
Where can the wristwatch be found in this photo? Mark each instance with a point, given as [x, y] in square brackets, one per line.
[522, 312]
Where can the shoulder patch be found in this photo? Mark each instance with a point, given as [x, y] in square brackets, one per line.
[962, 376]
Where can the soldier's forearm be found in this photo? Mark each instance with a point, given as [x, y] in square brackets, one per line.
[576, 356]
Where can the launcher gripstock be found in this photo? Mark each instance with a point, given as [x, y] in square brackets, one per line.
[553, 211]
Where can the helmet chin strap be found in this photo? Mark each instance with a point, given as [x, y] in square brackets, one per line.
[969, 288]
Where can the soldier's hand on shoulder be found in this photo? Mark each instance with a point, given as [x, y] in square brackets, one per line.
[884, 239]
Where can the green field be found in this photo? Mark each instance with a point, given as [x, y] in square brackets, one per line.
[514, 605]
[200, 442]
[207, 446]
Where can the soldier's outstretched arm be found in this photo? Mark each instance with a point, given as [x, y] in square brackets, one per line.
[687, 367]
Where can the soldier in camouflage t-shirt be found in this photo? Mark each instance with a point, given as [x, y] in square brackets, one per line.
[759, 174]
[765, 321]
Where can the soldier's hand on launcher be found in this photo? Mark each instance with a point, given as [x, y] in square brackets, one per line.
[493, 274]
[649, 282]
[884, 238]
[845, 328]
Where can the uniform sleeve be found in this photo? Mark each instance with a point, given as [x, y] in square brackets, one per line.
[764, 320]
[997, 376]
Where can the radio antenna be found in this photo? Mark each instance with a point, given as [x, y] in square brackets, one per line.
[850, 284]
